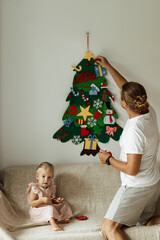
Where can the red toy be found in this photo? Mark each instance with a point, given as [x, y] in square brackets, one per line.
[82, 218]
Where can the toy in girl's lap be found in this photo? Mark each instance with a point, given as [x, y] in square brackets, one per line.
[57, 200]
[44, 207]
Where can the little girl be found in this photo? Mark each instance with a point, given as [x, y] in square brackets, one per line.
[44, 207]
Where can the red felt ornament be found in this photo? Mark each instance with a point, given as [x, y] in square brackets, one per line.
[97, 114]
[84, 131]
[73, 110]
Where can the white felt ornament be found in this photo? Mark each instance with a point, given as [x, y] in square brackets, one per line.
[109, 119]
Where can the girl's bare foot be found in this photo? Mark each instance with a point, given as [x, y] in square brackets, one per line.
[55, 227]
[154, 221]
[67, 220]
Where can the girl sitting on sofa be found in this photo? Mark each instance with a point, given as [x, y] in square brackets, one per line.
[44, 207]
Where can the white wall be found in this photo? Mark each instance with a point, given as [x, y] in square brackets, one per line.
[39, 40]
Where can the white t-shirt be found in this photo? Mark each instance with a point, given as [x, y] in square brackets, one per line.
[141, 136]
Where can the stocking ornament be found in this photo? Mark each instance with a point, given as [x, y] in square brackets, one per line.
[84, 131]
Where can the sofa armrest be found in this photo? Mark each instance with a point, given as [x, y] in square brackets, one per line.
[8, 215]
[4, 234]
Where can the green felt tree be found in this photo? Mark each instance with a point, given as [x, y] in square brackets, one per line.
[90, 117]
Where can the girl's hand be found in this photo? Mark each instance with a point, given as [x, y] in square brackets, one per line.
[103, 155]
[46, 200]
[58, 200]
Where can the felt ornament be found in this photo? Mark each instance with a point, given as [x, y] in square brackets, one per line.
[84, 131]
[88, 55]
[68, 122]
[90, 146]
[112, 98]
[111, 130]
[76, 139]
[97, 103]
[84, 112]
[80, 121]
[91, 122]
[77, 69]
[85, 99]
[73, 110]
[89, 117]
[94, 90]
[103, 85]
[74, 92]
[98, 113]
[100, 71]
[109, 119]
[104, 95]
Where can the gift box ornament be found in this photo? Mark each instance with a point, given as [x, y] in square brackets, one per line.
[80, 121]
[91, 142]
[100, 71]
[90, 146]
[68, 122]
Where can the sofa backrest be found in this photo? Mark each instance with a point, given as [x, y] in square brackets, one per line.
[84, 186]
[88, 187]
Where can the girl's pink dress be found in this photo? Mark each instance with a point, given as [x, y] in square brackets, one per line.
[58, 211]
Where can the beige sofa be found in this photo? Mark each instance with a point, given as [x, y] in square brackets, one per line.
[87, 187]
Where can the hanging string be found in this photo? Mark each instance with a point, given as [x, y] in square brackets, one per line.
[87, 33]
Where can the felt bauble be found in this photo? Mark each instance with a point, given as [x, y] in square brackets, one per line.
[73, 110]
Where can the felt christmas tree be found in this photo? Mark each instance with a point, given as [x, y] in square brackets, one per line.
[90, 117]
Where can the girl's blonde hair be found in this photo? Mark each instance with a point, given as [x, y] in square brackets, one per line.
[135, 96]
[46, 165]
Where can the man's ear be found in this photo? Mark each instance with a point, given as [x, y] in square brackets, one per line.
[124, 104]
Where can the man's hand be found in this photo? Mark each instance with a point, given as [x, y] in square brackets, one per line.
[118, 78]
[102, 61]
[103, 155]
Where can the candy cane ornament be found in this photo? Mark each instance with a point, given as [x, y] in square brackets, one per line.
[74, 93]
[77, 69]
[83, 97]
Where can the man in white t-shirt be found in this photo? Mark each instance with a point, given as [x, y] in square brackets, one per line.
[135, 201]
[141, 136]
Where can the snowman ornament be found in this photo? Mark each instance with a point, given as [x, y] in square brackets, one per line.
[109, 119]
